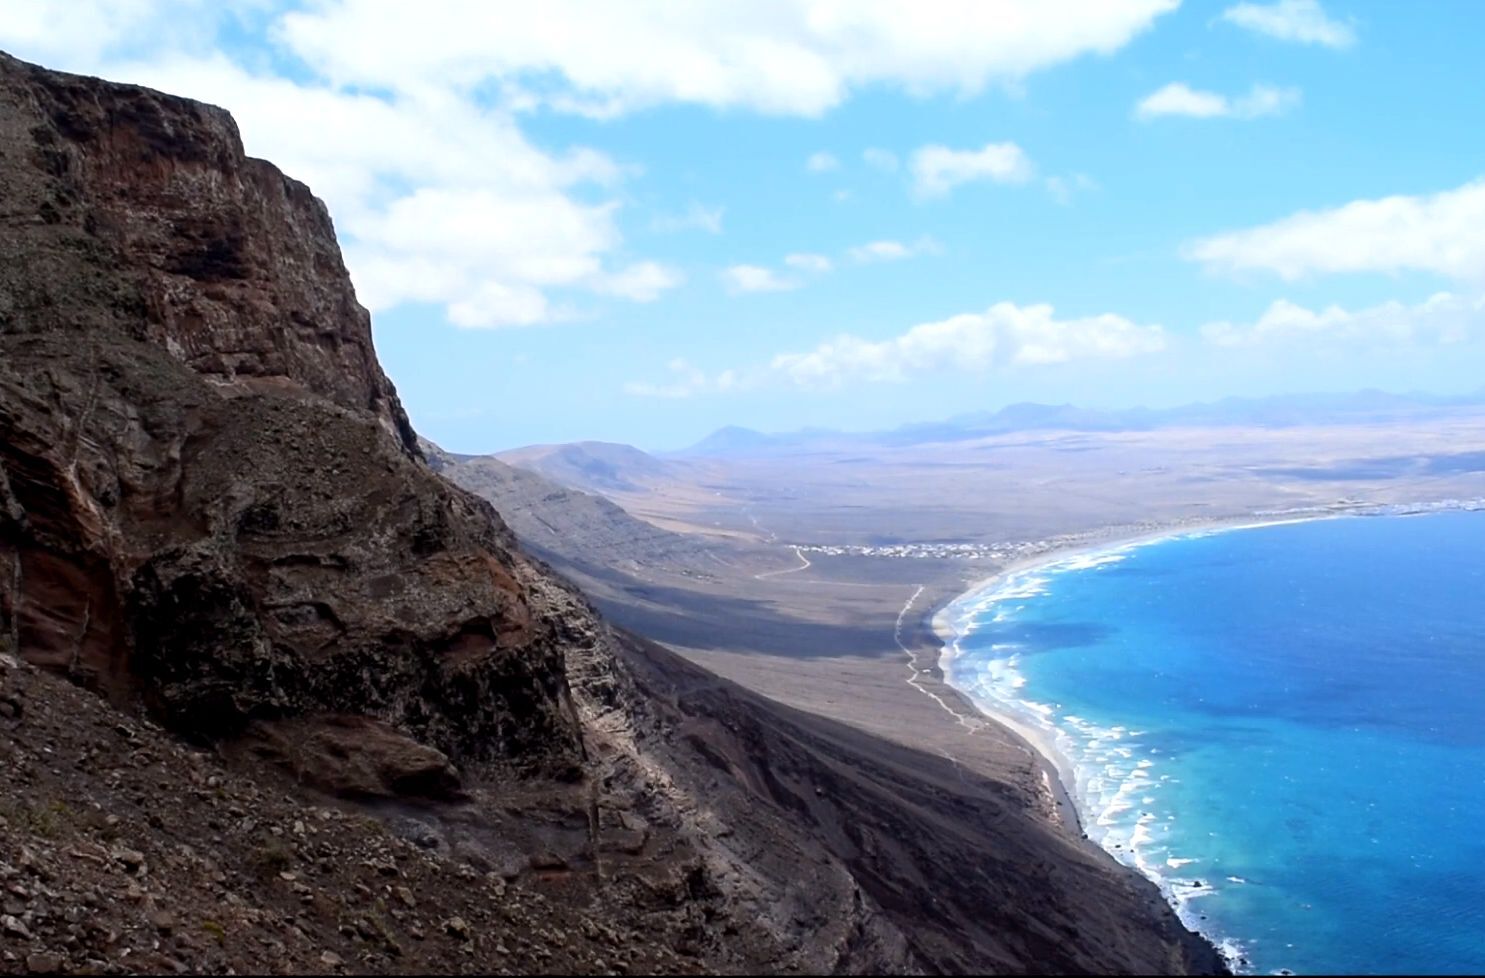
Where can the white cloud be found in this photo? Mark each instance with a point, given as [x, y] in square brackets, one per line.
[880, 159]
[641, 282]
[1304, 21]
[1005, 335]
[808, 262]
[406, 117]
[879, 251]
[437, 198]
[541, 240]
[760, 278]
[938, 169]
[801, 57]
[494, 303]
[1443, 319]
[1442, 233]
[81, 32]
[1180, 99]
[755, 278]
[876, 251]
[688, 380]
[696, 218]
[821, 162]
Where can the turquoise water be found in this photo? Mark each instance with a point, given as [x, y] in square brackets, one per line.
[1284, 725]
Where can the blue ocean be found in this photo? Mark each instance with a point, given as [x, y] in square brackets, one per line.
[1283, 725]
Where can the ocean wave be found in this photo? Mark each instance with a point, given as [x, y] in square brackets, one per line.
[1115, 775]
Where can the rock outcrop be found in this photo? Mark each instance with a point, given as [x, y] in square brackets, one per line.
[214, 513]
[210, 497]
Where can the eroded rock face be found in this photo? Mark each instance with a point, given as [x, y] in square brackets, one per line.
[353, 757]
[210, 497]
[143, 217]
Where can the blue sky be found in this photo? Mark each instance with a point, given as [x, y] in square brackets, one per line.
[639, 222]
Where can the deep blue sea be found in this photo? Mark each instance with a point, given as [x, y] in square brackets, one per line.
[1285, 725]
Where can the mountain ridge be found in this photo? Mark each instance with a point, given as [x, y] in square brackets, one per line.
[1275, 411]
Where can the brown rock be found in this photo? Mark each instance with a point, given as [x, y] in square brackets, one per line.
[352, 756]
[163, 921]
[43, 963]
[211, 494]
[131, 859]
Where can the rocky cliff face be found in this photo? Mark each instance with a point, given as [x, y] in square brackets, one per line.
[143, 218]
[209, 495]
[213, 512]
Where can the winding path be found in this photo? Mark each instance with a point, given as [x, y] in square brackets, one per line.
[915, 674]
[804, 564]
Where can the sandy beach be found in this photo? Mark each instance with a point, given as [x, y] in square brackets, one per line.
[943, 622]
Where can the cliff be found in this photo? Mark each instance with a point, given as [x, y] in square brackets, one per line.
[214, 514]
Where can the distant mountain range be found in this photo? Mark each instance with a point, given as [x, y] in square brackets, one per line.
[1284, 411]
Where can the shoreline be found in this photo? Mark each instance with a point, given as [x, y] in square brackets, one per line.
[1040, 734]
[1057, 768]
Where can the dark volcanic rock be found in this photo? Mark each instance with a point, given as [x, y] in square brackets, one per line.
[211, 496]
[212, 511]
[354, 757]
[144, 218]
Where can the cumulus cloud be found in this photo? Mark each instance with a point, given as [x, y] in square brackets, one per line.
[82, 32]
[1004, 335]
[437, 197]
[755, 278]
[1441, 320]
[939, 169]
[809, 262]
[1180, 99]
[492, 303]
[1302, 21]
[641, 282]
[801, 57]
[1442, 233]
[760, 278]
[888, 250]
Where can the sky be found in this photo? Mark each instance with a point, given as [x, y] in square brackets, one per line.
[640, 222]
